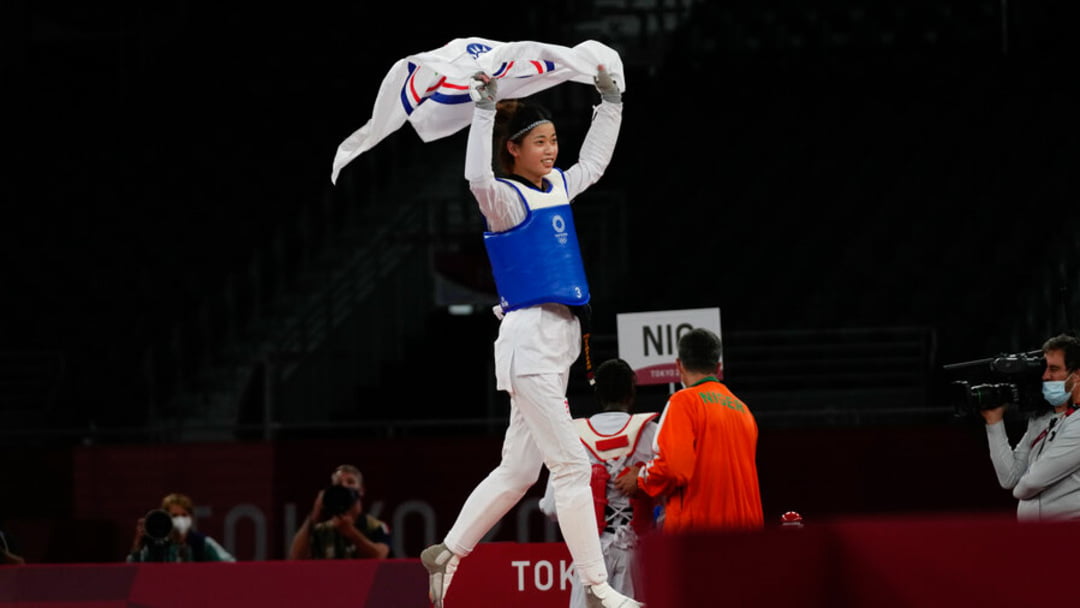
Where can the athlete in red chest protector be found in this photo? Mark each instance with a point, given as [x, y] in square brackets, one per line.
[615, 440]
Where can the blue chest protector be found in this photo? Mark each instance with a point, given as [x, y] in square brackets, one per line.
[539, 261]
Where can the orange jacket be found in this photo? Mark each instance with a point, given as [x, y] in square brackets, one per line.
[706, 463]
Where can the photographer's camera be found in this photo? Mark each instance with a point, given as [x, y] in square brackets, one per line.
[338, 500]
[158, 525]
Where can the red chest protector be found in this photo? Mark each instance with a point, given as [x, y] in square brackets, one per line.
[608, 448]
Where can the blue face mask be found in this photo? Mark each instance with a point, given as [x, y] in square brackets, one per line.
[1054, 392]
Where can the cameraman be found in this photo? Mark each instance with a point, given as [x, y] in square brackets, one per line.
[1043, 470]
[338, 527]
[179, 542]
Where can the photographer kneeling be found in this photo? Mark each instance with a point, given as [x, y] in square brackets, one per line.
[168, 535]
[338, 527]
[1043, 470]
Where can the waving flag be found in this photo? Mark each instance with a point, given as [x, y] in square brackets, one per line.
[430, 90]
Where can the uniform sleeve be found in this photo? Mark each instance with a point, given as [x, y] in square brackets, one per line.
[596, 150]
[499, 203]
[676, 451]
[1059, 459]
[1009, 464]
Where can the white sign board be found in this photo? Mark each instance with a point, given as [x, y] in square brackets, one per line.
[648, 340]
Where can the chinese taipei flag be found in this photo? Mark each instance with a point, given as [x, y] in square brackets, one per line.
[430, 90]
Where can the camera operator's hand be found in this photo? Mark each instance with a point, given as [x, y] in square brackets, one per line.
[301, 543]
[140, 531]
[345, 522]
[346, 527]
[993, 415]
[316, 509]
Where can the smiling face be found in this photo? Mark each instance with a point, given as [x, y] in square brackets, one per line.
[535, 153]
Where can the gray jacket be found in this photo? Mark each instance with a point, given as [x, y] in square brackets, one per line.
[1043, 470]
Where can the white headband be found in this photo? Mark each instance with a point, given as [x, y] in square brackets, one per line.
[528, 128]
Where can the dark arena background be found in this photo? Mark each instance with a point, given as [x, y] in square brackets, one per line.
[869, 192]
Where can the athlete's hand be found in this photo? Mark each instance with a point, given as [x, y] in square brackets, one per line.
[609, 90]
[483, 90]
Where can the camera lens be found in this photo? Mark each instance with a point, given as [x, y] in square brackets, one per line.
[988, 396]
[338, 499]
[158, 524]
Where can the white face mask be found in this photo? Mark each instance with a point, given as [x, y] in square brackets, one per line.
[182, 523]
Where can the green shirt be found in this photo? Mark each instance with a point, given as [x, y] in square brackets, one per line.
[328, 543]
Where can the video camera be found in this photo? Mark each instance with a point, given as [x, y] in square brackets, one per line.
[995, 381]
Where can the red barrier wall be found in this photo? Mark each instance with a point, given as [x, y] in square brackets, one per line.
[387, 584]
[80, 504]
[496, 574]
[929, 562]
[947, 561]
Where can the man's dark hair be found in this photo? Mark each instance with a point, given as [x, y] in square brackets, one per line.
[615, 382]
[699, 351]
[1069, 346]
